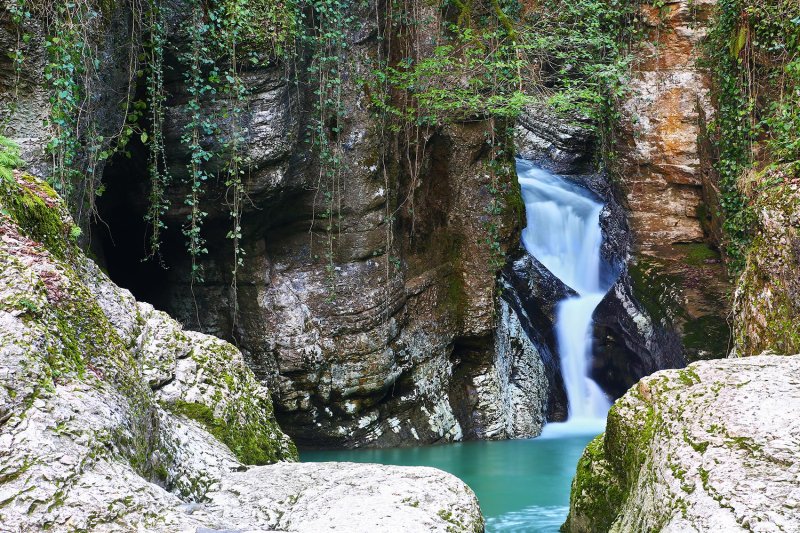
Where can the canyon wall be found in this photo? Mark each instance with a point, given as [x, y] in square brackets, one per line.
[666, 176]
[658, 145]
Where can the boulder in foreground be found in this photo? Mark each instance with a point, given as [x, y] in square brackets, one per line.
[713, 447]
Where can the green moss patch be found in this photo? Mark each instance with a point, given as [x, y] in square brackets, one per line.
[252, 441]
[596, 496]
[699, 254]
[35, 207]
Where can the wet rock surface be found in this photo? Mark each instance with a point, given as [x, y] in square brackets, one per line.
[534, 292]
[708, 448]
[629, 342]
[559, 145]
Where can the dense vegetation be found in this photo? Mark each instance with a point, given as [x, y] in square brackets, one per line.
[754, 55]
[9, 158]
[490, 60]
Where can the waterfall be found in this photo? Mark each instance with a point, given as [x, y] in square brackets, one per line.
[564, 234]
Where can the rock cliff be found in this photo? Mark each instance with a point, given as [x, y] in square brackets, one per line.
[115, 418]
[371, 325]
[712, 447]
[658, 146]
[666, 175]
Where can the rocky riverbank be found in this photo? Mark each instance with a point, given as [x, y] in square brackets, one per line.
[114, 418]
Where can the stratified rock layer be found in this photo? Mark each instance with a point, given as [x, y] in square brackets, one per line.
[713, 447]
[660, 161]
[113, 418]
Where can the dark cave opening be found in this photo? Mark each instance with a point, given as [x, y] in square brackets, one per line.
[120, 235]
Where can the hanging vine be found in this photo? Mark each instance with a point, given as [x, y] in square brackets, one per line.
[327, 38]
[80, 140]
[157, 161]
[754, 55]
[200, 71]
[236, 20]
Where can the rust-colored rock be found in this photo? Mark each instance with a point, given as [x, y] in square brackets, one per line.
[660, 161]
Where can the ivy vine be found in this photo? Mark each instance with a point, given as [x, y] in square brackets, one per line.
[754, 55]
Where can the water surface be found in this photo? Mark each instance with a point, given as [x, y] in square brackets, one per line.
[522, 485]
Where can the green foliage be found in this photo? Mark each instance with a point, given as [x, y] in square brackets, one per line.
[158, 171]
[473, 73]
[580, 50]
[200, 75]
[250, 440]
[9, 158]
[754, 54]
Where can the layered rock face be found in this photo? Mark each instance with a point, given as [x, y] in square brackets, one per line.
[375, 324]
[712, 447]
[658, 147]
[665, 169]
[114, 418]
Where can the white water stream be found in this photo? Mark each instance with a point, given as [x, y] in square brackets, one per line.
[564, 234]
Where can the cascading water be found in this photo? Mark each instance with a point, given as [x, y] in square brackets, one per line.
[524, 484]
[564, 234]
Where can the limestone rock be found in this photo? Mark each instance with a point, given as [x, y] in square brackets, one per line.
[112, 418]
[311, 497]
[533, 293]
[559, 145]
[712, 447]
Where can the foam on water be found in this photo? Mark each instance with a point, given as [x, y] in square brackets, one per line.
[533, 519]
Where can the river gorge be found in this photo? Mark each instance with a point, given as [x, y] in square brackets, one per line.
[367, 266]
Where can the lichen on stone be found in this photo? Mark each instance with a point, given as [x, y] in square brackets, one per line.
[695, 450]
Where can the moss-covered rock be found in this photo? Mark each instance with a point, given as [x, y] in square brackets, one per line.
[36, 209]
[213, 386]
[685, 287]
[767, 299]
[596, 494]
[72, 342]
[696, 450]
